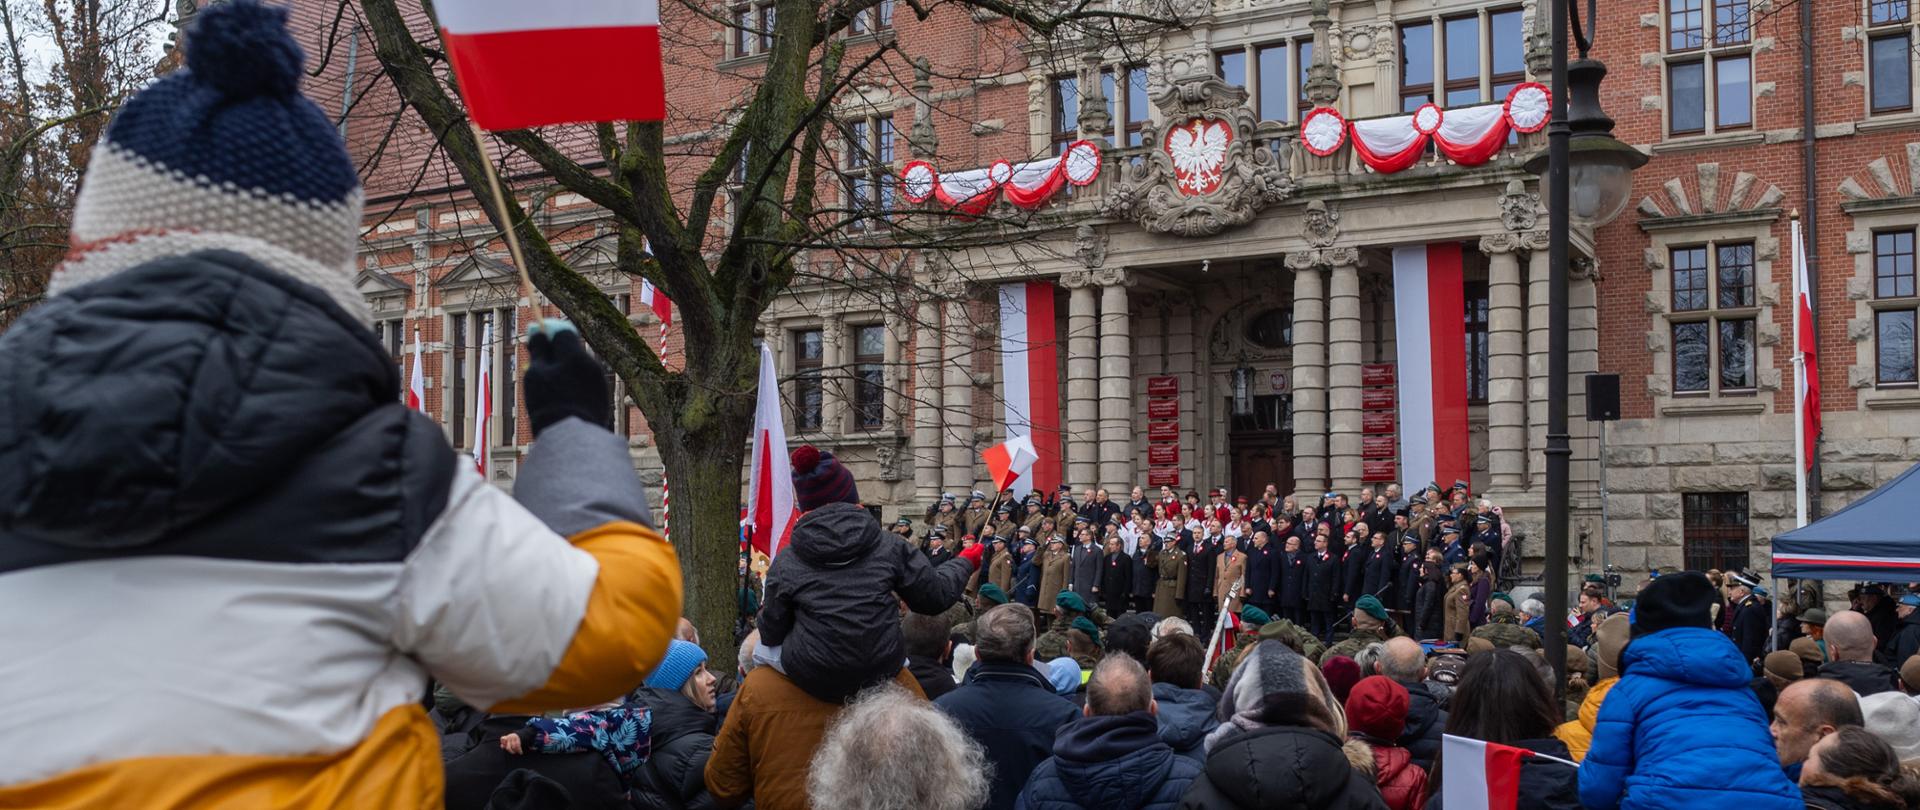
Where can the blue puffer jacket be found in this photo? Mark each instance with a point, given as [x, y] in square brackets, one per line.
[1110, 763]
[1681, 729]
[1186, 715]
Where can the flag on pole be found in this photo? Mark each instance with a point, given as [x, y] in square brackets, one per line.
[1430, 337]
[417, 382]
[1010, 461]
[770, 505]
[662, 308]
[526, 64]
[1480, 774]
[1030, 381]
[1806, 374]
[483, 400]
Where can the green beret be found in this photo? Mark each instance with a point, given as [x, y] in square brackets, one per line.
[1254, 616]
[1071, 601]
[1371, 606]
[1502, 596]
[992, 593]
[1086, 625]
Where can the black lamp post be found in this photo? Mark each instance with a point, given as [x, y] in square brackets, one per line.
[1587, 174]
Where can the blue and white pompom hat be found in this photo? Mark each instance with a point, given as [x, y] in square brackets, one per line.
[223, 154]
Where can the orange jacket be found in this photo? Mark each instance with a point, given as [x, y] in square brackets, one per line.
[765, 749]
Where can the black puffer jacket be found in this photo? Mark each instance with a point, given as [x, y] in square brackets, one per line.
[831, 606]
[674, 776]
[1426, 722]
[1281, 766]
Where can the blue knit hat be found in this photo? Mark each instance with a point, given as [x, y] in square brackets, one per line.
[223, 154]
[683, 659]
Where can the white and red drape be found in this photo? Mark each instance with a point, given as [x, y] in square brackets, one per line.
[1030, 377]
[524, 64]
[1468, 136]
[1430, 337]
[771, 503]
[417, 382]
[483, 401]
[1027, 185]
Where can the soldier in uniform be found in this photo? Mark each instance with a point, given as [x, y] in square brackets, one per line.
[1169, 565]
[1000, 571]
[1505, 628]
[1054, 564]
[944, 516]
[975, 518]
[1370, 625]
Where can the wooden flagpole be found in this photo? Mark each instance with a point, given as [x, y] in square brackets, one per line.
[500, 208]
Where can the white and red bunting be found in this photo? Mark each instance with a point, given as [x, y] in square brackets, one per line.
[1028, 185]
[1468, 136]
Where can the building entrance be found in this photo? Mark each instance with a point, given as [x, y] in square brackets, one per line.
[1261, 445]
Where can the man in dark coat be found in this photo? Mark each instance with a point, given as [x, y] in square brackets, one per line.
[937, 551]
[1906, 643]
[1378, 577]
[1291, 596]
[1406, 663]
[1323, 590]
[1353, 573]
[1202, 604]
[1850, 642]
[1112, 757]
[1085, 571]
[927, 644]
[1006, 706]
[1144, 577]
[1751, 621]
[1263, 572]
[1406, 582]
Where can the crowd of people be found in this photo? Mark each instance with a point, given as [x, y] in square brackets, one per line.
[234, 559]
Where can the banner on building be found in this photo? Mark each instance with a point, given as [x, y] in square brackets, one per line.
[1430, 337]
[1030, 376]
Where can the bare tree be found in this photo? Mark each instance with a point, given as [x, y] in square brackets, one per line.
[723, 243]
[67, 65]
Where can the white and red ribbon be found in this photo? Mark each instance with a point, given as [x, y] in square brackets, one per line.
[1028, 185]
[1468, 136]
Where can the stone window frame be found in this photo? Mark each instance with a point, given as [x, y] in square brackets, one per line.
[1746, 226]
[837, 417]
[1870, 217]
[1051, 129]
[882, 165]
[1870, 31]
[756, 31]
[1437, 21]
[478, 284]
[1708, 53]
[1296, 45]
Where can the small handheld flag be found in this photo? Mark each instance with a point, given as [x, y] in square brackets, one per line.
[1009, 461]
[523, 64]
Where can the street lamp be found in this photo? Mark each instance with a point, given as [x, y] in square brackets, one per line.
[1581, 155]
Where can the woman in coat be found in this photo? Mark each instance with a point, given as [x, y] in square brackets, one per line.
[1501, 698]
[673, 777]
[1053, 568]
[1456, 626]
[1116, 578]
[1430, 606]
[1480, 591]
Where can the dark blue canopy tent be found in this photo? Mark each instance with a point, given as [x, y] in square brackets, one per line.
[1876, 538]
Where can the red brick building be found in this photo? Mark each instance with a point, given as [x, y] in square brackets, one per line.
[1264, 299]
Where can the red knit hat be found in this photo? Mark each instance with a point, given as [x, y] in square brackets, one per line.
[1341, 672]
[1377, 707]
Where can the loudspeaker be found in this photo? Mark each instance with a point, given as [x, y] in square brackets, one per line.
[1603, 397]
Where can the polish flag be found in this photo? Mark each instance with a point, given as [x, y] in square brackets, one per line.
[1806, 353]
[1009, 461]
[1030, 375]
[1430, 336]
[417, 383]
[528, 64]
[1482, 774]
[770, 505]
[483, 401]
[658, 302]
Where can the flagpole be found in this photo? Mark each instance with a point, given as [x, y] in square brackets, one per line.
[1799, 381]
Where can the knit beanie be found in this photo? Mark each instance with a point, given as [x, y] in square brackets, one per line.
[224, 154]
[1341, 673]
[1608, 640]
[1064, 675]
[1685, 599]
[682, 660]
[1273, 685]
[1377, 707]
[820, 479]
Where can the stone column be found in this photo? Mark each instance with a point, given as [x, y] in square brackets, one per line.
[835, 380]
[927, 440]
[1117, 425]
[957, 411]
[1083, 374]
[892, 376]
[1506, 372]
[1309, 377]
[1536, 244]
[1583, 358]
[1343, 369]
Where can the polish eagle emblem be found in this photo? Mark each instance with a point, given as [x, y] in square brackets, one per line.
[1199, 152]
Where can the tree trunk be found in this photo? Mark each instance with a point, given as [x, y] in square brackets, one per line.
[705, 471]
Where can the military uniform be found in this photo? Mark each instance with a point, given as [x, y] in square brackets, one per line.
[1223, 668]
[1505, 630]
[1170, 580]
[1000, 572]
[1352, 645]
[1053, 573]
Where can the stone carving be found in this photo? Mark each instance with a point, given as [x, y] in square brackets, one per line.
[921, 139]
[1519, 210]
[1251, 178]
[1883, 183]
[1190, 11]
[1362, 41]
[1500, 243]
[1708, 200]
[1075, 279]
[1320, 224]
[892, 468]
[1325, 257]
[1114, 277]
[1090, 246]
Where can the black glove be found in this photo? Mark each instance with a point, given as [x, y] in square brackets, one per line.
[565, 380]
